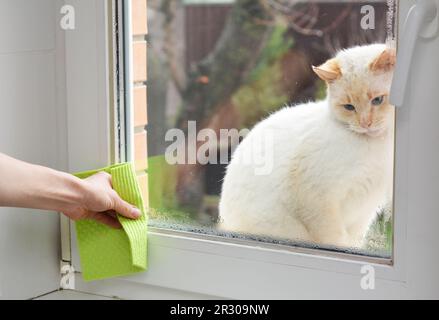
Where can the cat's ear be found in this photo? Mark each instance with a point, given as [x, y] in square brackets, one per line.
[385, 62]
[329, 71]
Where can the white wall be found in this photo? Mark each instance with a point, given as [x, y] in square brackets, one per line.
[31, 129]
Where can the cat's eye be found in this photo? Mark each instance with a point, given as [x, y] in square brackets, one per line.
[349, 107]
[378, 101]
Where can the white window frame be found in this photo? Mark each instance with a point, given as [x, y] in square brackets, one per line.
[243, 270]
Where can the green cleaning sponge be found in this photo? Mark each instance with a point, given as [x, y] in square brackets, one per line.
[105, 252]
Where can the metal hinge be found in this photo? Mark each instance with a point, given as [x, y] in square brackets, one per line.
[67, 276]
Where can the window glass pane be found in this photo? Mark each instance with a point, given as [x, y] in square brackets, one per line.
[234, 79]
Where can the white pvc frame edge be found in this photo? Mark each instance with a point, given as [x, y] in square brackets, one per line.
[217, 268]
[129, 81]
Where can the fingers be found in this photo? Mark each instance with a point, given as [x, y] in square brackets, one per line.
[124, 208]
[107, 219]
[107, 199]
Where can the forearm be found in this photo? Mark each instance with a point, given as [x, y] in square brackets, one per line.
[31, 186]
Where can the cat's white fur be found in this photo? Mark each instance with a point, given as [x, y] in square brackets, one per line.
[332, 168]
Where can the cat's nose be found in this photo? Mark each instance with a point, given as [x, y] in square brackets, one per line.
[366, 123]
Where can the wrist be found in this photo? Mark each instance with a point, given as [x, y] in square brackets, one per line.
[78, 188]
[65, 192]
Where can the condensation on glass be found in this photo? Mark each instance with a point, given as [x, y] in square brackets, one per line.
[227, 64]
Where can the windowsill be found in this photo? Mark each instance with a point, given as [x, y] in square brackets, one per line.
[211, 234]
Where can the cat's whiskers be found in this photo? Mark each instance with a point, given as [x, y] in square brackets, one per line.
[357, 129]
[375, 131]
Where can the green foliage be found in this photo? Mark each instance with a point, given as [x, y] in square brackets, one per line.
[321, 90]
[263, 92]
[170, 215]
[276, 47]
[260, 97]
[162, 180]
[380, 235]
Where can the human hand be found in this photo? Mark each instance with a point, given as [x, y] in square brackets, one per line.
[100, 202]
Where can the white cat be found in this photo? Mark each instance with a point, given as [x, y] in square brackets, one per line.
[332, 160]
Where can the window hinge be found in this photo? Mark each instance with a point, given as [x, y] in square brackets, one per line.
[67, 276]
